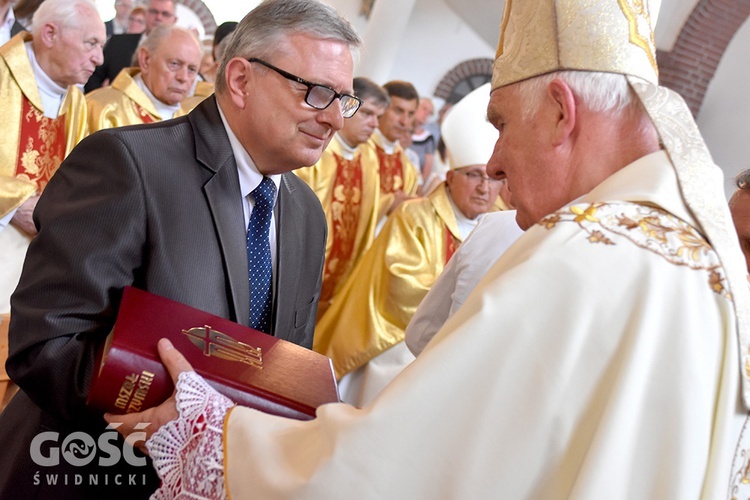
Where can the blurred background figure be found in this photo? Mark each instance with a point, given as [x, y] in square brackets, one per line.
[24, 11]
[398, 177]
[137, 21]
[423, 139]
[9, 26]
[119, 24]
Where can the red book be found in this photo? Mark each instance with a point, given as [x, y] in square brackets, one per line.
[249, 367]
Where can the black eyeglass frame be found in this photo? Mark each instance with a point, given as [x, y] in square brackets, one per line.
[310, 85]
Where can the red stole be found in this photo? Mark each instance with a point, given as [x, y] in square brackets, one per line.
[451, 245]
[41, 147]
[346, 203]
[391, 171]
[144, 115]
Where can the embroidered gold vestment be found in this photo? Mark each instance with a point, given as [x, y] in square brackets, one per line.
[349, 191]
[29, 140]
[383, 291]
[396, 171]
[124, 103]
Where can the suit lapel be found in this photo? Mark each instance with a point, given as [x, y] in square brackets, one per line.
[214, 151]
[289, 246]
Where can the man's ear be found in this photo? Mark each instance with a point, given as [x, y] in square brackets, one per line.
[144, 59]
[49, 32]
[238, 74]
[564, 108]
[449, 175]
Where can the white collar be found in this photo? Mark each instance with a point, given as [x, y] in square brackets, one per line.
[347, 151]
[166, 111]
[248, 173]
[388, 146]
[51, 93]
[465, 225]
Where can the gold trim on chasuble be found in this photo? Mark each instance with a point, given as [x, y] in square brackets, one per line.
[41, 148]
[346, 204]
[391, 171]
[650, 228]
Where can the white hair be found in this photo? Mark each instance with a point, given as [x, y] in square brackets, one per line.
[64, 13]
[600, 92]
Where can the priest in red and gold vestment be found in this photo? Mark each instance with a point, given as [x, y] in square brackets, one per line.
[347, 183]
[157, 90]
[43, 116]
[363, 331]
[399, 178]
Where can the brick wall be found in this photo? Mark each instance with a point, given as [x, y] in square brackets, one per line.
[690, 66]
[463, 71]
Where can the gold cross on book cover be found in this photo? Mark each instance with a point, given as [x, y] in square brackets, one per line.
[250, 367]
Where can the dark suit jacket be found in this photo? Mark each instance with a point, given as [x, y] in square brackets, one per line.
[109, 27]
[155, 206]
[16, 28]
[118, 54]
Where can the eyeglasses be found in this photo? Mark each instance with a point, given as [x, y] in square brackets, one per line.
[318, 96]
[477, 178]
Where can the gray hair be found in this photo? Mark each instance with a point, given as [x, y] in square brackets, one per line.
[64, 13]
[260, 32]
[601, 92]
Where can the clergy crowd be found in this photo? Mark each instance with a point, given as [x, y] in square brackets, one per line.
[539, 294]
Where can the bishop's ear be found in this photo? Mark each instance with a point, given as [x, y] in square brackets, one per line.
[565, 109]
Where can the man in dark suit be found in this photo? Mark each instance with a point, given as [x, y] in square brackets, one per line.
[119, 50]
[164, 207]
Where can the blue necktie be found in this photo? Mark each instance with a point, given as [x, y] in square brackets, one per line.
[259, 256]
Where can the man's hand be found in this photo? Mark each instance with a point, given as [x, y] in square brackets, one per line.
[158, 415]
[22, 219]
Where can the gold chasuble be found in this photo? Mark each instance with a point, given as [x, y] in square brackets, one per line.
[349, 191]
[32, 146]
[124, 103]
[377, 301]
[396, 171]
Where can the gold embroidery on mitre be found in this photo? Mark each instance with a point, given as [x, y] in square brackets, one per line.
[641, 33]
